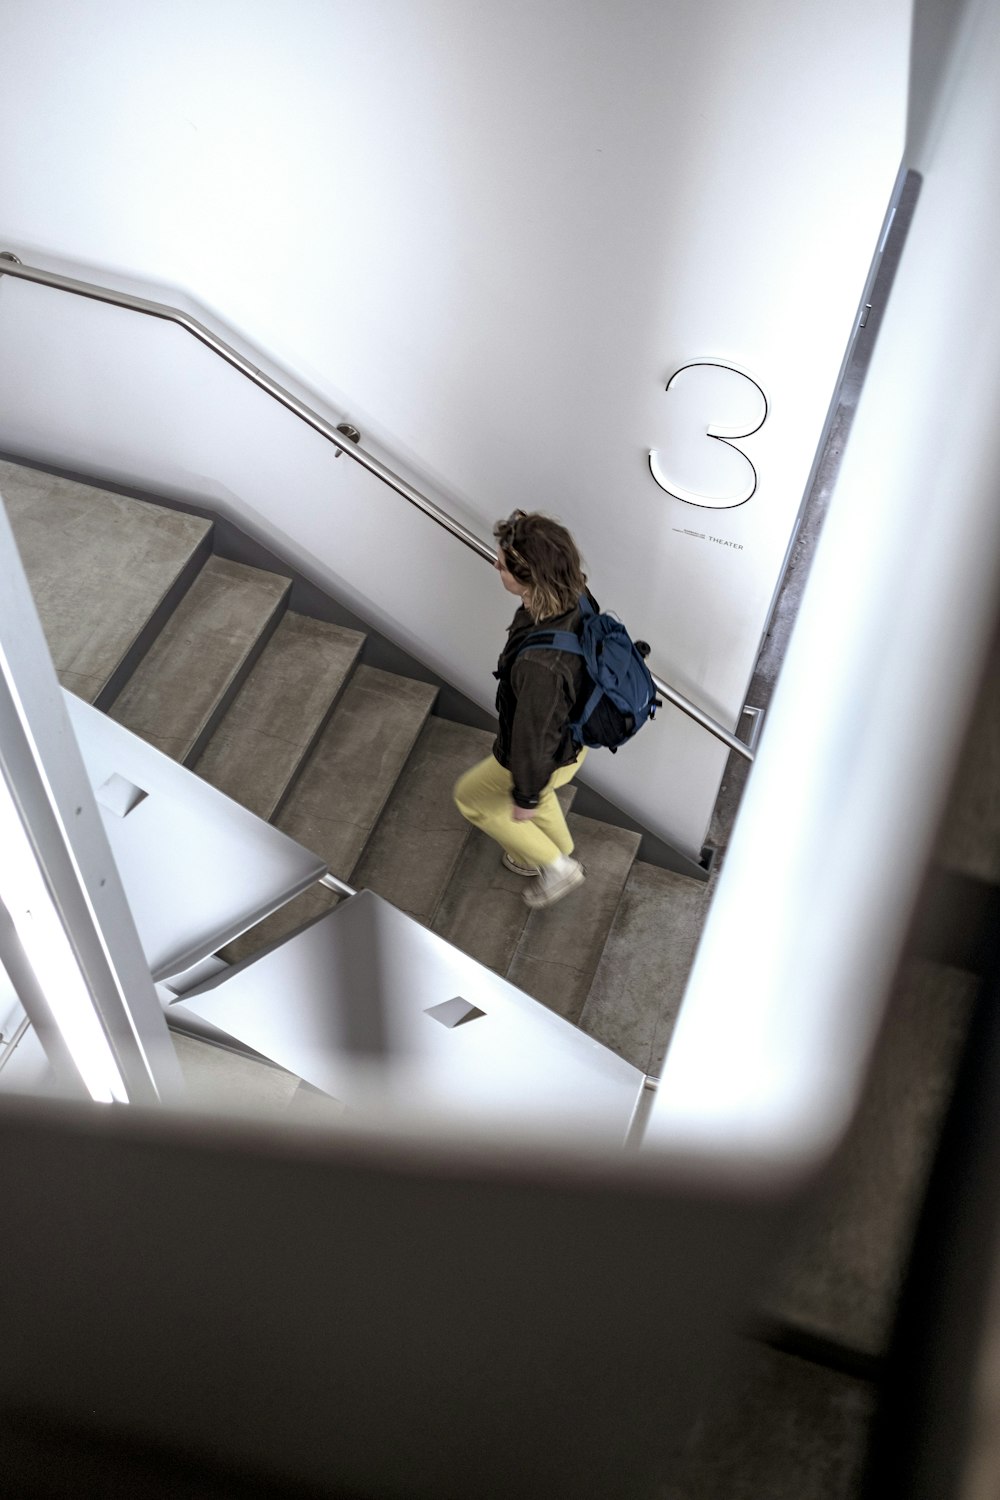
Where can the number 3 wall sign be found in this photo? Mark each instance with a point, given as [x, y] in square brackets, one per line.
[710, 404]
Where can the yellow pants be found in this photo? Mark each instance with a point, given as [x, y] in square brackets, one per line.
[483, 796]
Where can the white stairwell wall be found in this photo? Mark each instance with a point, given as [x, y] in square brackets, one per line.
[485, 234]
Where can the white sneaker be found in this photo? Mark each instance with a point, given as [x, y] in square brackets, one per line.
[509, 863]
[555, 882]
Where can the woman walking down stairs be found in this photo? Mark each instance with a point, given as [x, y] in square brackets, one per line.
[203, 657]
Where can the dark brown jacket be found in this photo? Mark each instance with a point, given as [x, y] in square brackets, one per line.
[536, 696]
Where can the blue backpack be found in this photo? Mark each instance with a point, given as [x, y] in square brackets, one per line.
[619, 694]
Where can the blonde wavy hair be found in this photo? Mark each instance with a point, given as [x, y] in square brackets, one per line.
[540, 552]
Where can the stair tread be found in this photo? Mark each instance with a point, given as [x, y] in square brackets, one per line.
[343, 788]
[639, 982]
[350, 774]
[561, 947]
[90, 619]
[272, 722]
[181, 680]
[421, 834]
[482, 911]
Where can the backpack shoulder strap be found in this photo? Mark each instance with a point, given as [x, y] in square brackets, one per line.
[552, 640]
[560, 640]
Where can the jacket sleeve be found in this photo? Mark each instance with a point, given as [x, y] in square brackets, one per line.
[544, 701]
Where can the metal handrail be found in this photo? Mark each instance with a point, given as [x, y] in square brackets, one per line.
[343, 441]
[12, 1041]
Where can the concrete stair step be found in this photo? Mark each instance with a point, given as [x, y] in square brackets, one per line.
[340, 795]
[482, 911]
[343, 787]
[560, 947]
[104, 571]
[190, 674]
[420, 836]
[279, 712]
[639, 983]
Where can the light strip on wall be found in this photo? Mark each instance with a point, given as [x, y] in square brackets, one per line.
[47, 948]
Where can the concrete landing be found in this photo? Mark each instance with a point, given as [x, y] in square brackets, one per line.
[99, 565]
[561, 947]
[277, 714]
[482, 911]
[185, 677]
[421, 834]
[639, 984]
[842, 1271]
[970, 838]
[779, 1428]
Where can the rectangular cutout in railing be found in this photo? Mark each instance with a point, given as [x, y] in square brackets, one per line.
[119, 795]
[454, 1012]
